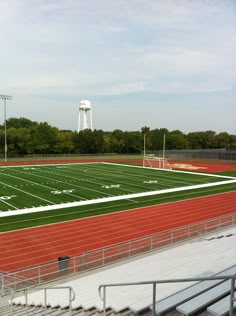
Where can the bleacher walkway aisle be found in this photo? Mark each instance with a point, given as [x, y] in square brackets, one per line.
[196, 259]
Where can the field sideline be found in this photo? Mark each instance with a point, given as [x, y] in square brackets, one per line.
[72, 185]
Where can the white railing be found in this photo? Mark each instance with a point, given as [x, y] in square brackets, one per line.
[53, 270]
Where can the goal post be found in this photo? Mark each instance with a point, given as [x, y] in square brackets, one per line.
[152, 161]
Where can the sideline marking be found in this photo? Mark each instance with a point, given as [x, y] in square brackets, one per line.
[113, 198]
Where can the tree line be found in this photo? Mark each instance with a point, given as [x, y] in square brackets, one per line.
[26, 137]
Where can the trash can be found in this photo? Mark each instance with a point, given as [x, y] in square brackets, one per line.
[63, 263]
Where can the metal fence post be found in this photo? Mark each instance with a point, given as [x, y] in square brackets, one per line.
[45, 301]
[15, 286]
[26, 300]
[232, 297]
[11, 306]
[39, 275]
[70, 307]
[104, 301]
[154, 299]
[103, 256]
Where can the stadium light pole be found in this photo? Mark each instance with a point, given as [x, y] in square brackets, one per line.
[5, 98]
[144, 130]
[164, 149]
[144, 147]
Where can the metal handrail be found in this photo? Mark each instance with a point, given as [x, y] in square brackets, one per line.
[6, 290]
[103, 289]
[45, 289]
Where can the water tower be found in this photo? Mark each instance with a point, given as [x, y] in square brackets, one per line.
[85, 116]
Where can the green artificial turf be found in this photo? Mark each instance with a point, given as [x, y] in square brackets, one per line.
[33, 186]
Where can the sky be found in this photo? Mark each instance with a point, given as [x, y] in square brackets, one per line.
[157, 63]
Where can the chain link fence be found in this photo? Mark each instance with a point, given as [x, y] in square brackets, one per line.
[200, 154]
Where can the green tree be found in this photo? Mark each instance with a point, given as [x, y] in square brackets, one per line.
[18, 141]
[118, 141]
[43, 139]
[64, 142]
[20, 122]
[176, 141]
[222, 140]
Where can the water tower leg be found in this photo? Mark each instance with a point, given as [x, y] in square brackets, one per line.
[91, 120]
[79, 123]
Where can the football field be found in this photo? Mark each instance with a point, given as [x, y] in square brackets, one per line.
[35, 188]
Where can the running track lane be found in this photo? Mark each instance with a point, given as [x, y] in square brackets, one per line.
[37, 245]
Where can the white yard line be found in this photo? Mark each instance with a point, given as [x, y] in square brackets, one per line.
[171, 170]
[162, 178]
[79, 186]
[97, 175]
[48, 179]
[114, 198]
[35, 196]
[8, 205]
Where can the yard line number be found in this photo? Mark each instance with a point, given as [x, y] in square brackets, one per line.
[62, 191]
[6, 198]
[111, 186]
[150, 181]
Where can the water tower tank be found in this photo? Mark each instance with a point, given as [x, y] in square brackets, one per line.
[85, 105]
[85, 116]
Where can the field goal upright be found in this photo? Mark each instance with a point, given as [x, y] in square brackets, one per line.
[152, 161]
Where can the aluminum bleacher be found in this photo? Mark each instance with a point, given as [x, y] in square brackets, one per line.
[188, 260]
[188, 293]
[205, 299]
[221, 308]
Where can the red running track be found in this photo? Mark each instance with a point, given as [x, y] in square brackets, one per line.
[202, 166]
[37, 245]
